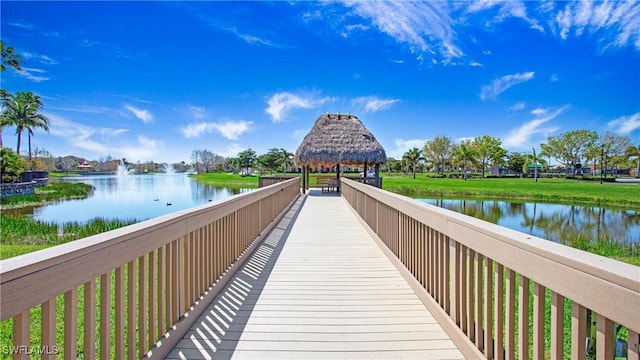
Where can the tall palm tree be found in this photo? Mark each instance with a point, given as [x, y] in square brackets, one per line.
[546, 152]
[631, 152]
[22, 111]
[412, 157]
[464, 155]
[9, 57]
[39, 121]
[535, 160]
[286, 160]
[4, 99]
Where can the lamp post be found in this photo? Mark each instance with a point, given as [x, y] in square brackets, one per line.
[601, 162]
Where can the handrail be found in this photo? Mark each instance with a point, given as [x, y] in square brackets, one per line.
[160, 266]
[481, 275]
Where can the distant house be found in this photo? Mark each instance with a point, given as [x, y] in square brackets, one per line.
[85, 166]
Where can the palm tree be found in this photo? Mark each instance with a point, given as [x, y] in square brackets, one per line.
[9, 58]
[412, 157]
[286, 160]
[544, 151]
[535, 160]
[631, 152]
[4, 99]
[464, 155]
[22, 111]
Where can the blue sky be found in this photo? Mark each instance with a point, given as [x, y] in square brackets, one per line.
[156, 80]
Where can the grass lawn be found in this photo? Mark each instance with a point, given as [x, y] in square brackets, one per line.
[546, 190]
[565, 191]
[54, 191]
[227, 180]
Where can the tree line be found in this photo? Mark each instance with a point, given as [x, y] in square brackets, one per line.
[573, 151]
[273, 161]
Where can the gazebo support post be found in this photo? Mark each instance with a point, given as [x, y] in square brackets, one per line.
[307, 176]
[304, 180]
[364, 174]
[377, 171]
[338, 177]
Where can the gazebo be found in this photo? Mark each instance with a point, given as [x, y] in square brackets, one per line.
[339, 139]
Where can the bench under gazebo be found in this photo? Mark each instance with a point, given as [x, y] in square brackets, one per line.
[340, 140]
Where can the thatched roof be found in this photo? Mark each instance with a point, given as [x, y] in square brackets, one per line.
[339, 139]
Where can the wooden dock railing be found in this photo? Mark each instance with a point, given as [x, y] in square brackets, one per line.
[122, 293]
[505, 291]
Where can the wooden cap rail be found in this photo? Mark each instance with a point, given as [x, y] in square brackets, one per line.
[160, 266]
[482, 275]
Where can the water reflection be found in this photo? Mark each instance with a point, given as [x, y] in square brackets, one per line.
[132, 197]
[551, 221]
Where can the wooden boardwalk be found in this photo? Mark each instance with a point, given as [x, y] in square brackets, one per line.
[317, 288]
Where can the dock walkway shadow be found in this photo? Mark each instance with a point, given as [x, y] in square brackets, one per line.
[217, 331]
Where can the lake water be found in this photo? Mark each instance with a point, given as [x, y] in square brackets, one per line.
[551, 221]
[143, 197]
[138, 197]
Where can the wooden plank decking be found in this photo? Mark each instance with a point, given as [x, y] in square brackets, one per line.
[318, 287]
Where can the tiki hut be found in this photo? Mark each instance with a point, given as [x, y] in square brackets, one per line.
[337, 139]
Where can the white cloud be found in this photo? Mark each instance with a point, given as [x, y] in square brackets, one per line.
[281, 103]
[402, 146]
[231, 150]
[617, 23]
[250, 39]
[44, 59]
[30, 73]
[518, 106]
[434, 27]
[21, 25]
[143, 150]
[424, 26]
[308, 16]
[144, 115]
[554, 78]
[229, 129]
[625, 124]
[197, 112]
[373, 103]
[232, 130]
[97, 139]
[506, 10]
[353, 27]
[519, 137]
[82, 109]
[539, 112]
[476, 64]
[498, 86]
[102, 141]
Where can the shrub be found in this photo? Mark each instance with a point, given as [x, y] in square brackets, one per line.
[11, 165]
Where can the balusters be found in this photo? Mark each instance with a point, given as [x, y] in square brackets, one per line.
[538, 321]
[70, 323]
[89, 335]
[557, 326]
[48, 328]
[578, 331]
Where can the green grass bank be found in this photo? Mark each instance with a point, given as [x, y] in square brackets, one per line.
[564, 191]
